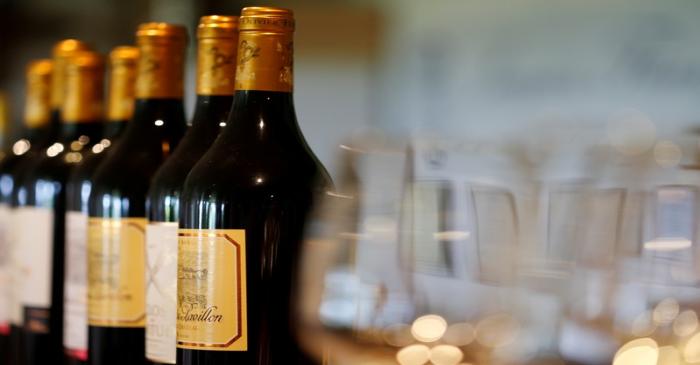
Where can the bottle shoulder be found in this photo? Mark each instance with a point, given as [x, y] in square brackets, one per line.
[171, 175]
[123, 168]
[231, 171]
[86, 169]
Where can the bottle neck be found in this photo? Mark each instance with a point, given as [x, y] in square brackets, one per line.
[111, 129]
[75, 131]
[155, 115]
[36, 134]
[157, 126]
[50, 133]
[263, 116]
[211, 111]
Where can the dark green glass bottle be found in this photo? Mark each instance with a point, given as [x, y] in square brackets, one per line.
[243, 212]
[40, 213]
[120, 103]
[216, 70]
[117, 202]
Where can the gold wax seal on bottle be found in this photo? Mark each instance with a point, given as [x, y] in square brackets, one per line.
[161, 62]
[216, 54]
[37, 105]
[62, 51]
[123, 61]
[84, 78]
[265, 50]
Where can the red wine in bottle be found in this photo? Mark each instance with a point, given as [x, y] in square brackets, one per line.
[216, 71]
[40, 214]
[243, 212]
[117, 202]
[120, 102]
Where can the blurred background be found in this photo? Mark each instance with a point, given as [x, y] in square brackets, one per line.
[479, 68]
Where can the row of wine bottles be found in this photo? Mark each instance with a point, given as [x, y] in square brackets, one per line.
[127, 237]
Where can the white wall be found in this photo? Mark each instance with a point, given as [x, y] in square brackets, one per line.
[494, 68]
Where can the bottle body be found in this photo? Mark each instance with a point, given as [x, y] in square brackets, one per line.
[161, 233]
[216, 64]
[254, 186]
[39, 220]
[40, 123]
[123, 60]
[78, 188]
[15, 177]
[118, 202]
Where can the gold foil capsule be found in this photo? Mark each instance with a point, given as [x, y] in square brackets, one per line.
[61, 52]
[161, 61]
[37, 107]
[122, 83]
[216, 54]
[84, 88]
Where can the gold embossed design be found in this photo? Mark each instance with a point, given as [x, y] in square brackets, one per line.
[162, 61]
[212, 303]
[265, 50]
[37, 107]
[122, 83]
[116, 272]
[62, 51]
[216, 55]
[84, 88]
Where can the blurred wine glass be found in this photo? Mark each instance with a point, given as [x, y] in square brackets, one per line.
[447, 253]
[413, 259]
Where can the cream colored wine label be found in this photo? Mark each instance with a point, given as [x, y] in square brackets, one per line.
[75, 295]
[161, 291]
[34, 245]
[116, 272]
[5, 269]
[15, 277]
[211, 300]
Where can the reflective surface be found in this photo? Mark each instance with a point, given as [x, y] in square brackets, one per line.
[259, 176]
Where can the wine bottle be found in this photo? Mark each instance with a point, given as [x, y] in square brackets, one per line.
[40, 215]
[216, 71]
[4, 247]
[117, 202]
[120, 102]
[36, 150]
[243, 210]
[37, 115]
